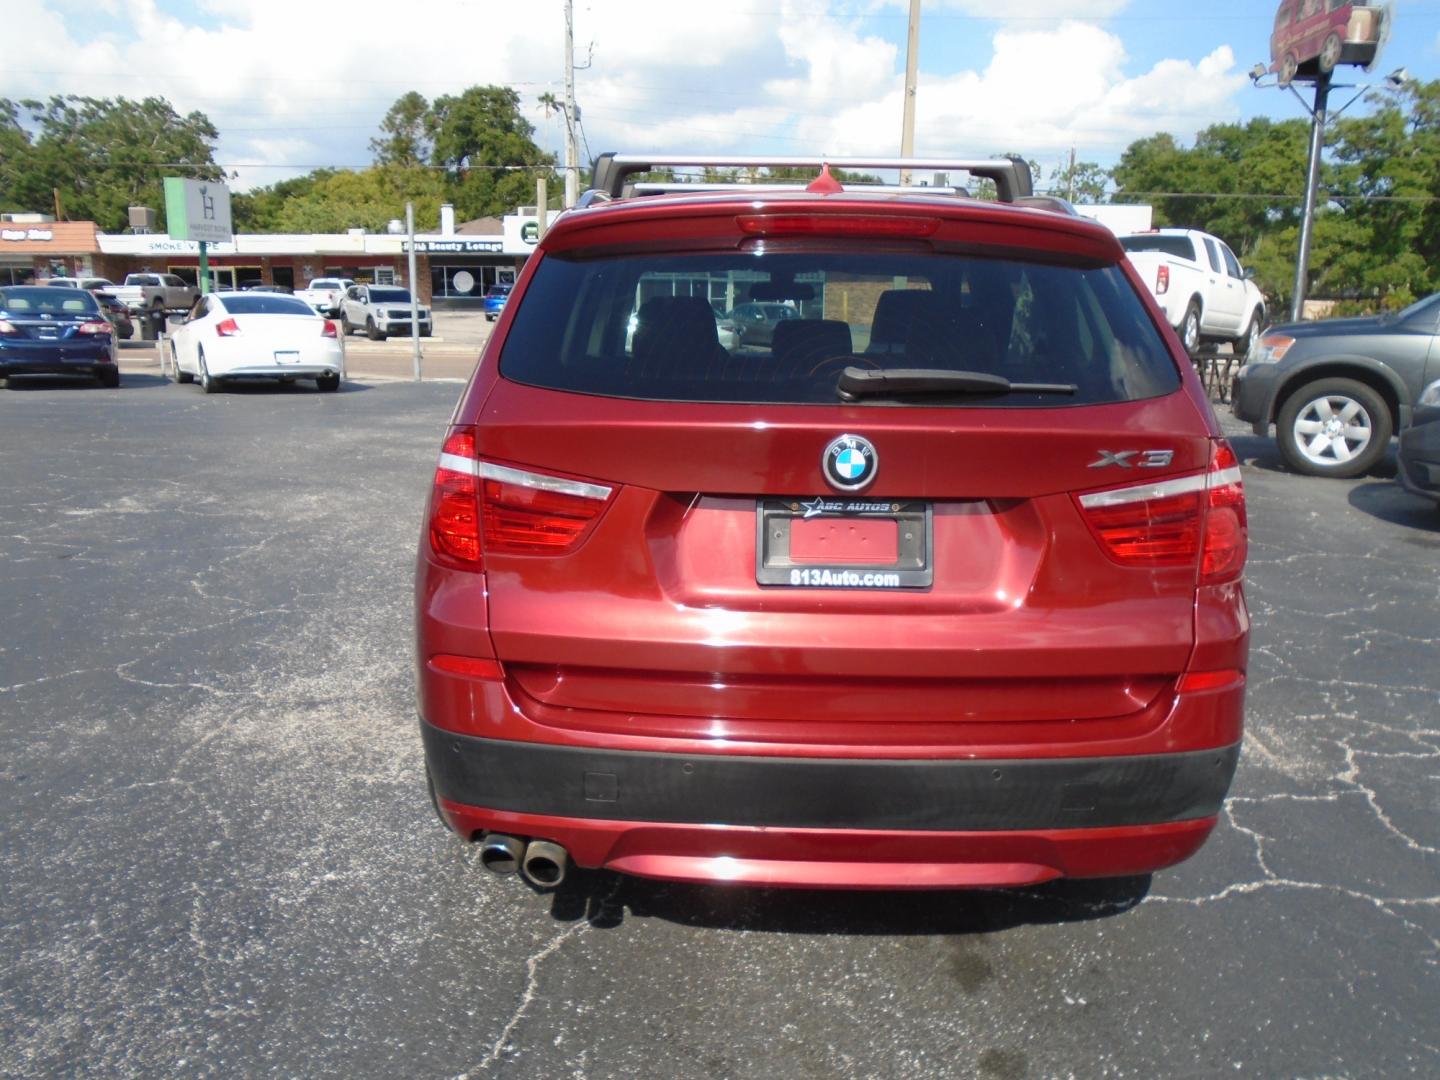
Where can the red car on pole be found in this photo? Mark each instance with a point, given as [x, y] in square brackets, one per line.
[1313, 36]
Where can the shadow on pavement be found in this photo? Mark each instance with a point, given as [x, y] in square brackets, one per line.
[603, 898]
[60, 382]
[1392, 503]
[253, 388]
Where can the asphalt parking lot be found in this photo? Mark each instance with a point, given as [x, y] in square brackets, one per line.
[218, 858]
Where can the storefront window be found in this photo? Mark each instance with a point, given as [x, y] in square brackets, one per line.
[467, 282]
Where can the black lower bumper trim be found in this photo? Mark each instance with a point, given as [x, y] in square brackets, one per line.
[1053, 793]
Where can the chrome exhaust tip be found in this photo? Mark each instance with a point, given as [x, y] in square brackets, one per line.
[501, 854]
[545, 864]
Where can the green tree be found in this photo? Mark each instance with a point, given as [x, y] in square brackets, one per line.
[1086, 182]
[260, 209]
[102, 154]
[488, 150]
[1386, 182]
[368, 199]
[405, 138]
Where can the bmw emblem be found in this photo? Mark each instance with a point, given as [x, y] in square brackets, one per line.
[849, 462]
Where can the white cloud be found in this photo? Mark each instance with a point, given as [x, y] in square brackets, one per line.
[1020, 10]
[285, 88]
[1015, 105]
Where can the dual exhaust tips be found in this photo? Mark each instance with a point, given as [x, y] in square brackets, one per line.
[540, 862]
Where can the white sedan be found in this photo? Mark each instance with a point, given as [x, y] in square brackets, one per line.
[235, 335]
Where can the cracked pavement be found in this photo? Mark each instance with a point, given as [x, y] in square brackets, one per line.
[218, 858]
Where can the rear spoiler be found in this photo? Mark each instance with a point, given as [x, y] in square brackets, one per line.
[613, 171]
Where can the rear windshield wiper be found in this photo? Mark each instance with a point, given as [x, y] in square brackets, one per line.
[856, 383]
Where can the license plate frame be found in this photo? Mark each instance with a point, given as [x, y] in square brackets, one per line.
[287, 356]
[913, 568]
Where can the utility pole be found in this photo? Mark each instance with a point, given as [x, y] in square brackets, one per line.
[1072, 175]
[1312, 184]
[912, 64]
[572, 150]
[414, 291]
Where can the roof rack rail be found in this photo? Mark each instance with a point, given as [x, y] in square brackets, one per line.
[612, 171]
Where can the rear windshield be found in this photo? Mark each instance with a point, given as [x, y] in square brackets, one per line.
[780, 328]
[1179, 246]
[51, 300]
[266, 304]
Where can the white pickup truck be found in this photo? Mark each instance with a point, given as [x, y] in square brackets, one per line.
[325, 293]
[1198, 282]
[151, 293]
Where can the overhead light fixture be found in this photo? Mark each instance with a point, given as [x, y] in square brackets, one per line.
[1258, 72]
[1397, 78]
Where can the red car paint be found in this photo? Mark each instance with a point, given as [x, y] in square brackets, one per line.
[616, 647]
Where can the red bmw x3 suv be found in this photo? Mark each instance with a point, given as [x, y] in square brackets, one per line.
[940, 588]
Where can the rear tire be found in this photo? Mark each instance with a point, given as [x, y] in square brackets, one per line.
[327, 384]
[1242, 344]
[181, 375]
[1334, 427]
[208, 382]
[109, 378]
[1190, 328]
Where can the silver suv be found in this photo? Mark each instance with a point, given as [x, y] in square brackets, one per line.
[380, 310]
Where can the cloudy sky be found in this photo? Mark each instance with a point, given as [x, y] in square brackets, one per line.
[295, 84]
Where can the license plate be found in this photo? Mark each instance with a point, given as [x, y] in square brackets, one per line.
[287, 357]
[845, 543]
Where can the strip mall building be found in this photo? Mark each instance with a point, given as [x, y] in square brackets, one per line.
[454, 266]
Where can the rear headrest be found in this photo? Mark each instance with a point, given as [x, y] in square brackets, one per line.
[671, 331]
[897, 312]
[800, 344]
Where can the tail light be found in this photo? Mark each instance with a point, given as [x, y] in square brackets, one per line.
[874, 225]
[330, 330]
[227, 328]
[95, 328]
[1196, 520]
[478, 507]
[1162, 280]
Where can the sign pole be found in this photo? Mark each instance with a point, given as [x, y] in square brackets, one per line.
[204, 269]
[414, 291]
[1312, 185]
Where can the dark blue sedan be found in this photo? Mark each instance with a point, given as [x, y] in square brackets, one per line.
[495, 297]
[54, 331]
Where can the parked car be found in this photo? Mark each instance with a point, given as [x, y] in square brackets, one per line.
[380, 310]
[1337, 389]
[89, 284]
[116, 312]
[229, 336]
[284, 290]
[963, 612]
[155, 294]
[495, 297]
[754, 323]
[1420, 447]
[118, 315]
[55, 331]
[324, 294]
[1312, 36]
[1200, 285]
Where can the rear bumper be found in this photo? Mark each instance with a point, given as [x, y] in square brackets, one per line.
[13, 364]
[1253, 394]
[1420, 458]
[848, 823]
